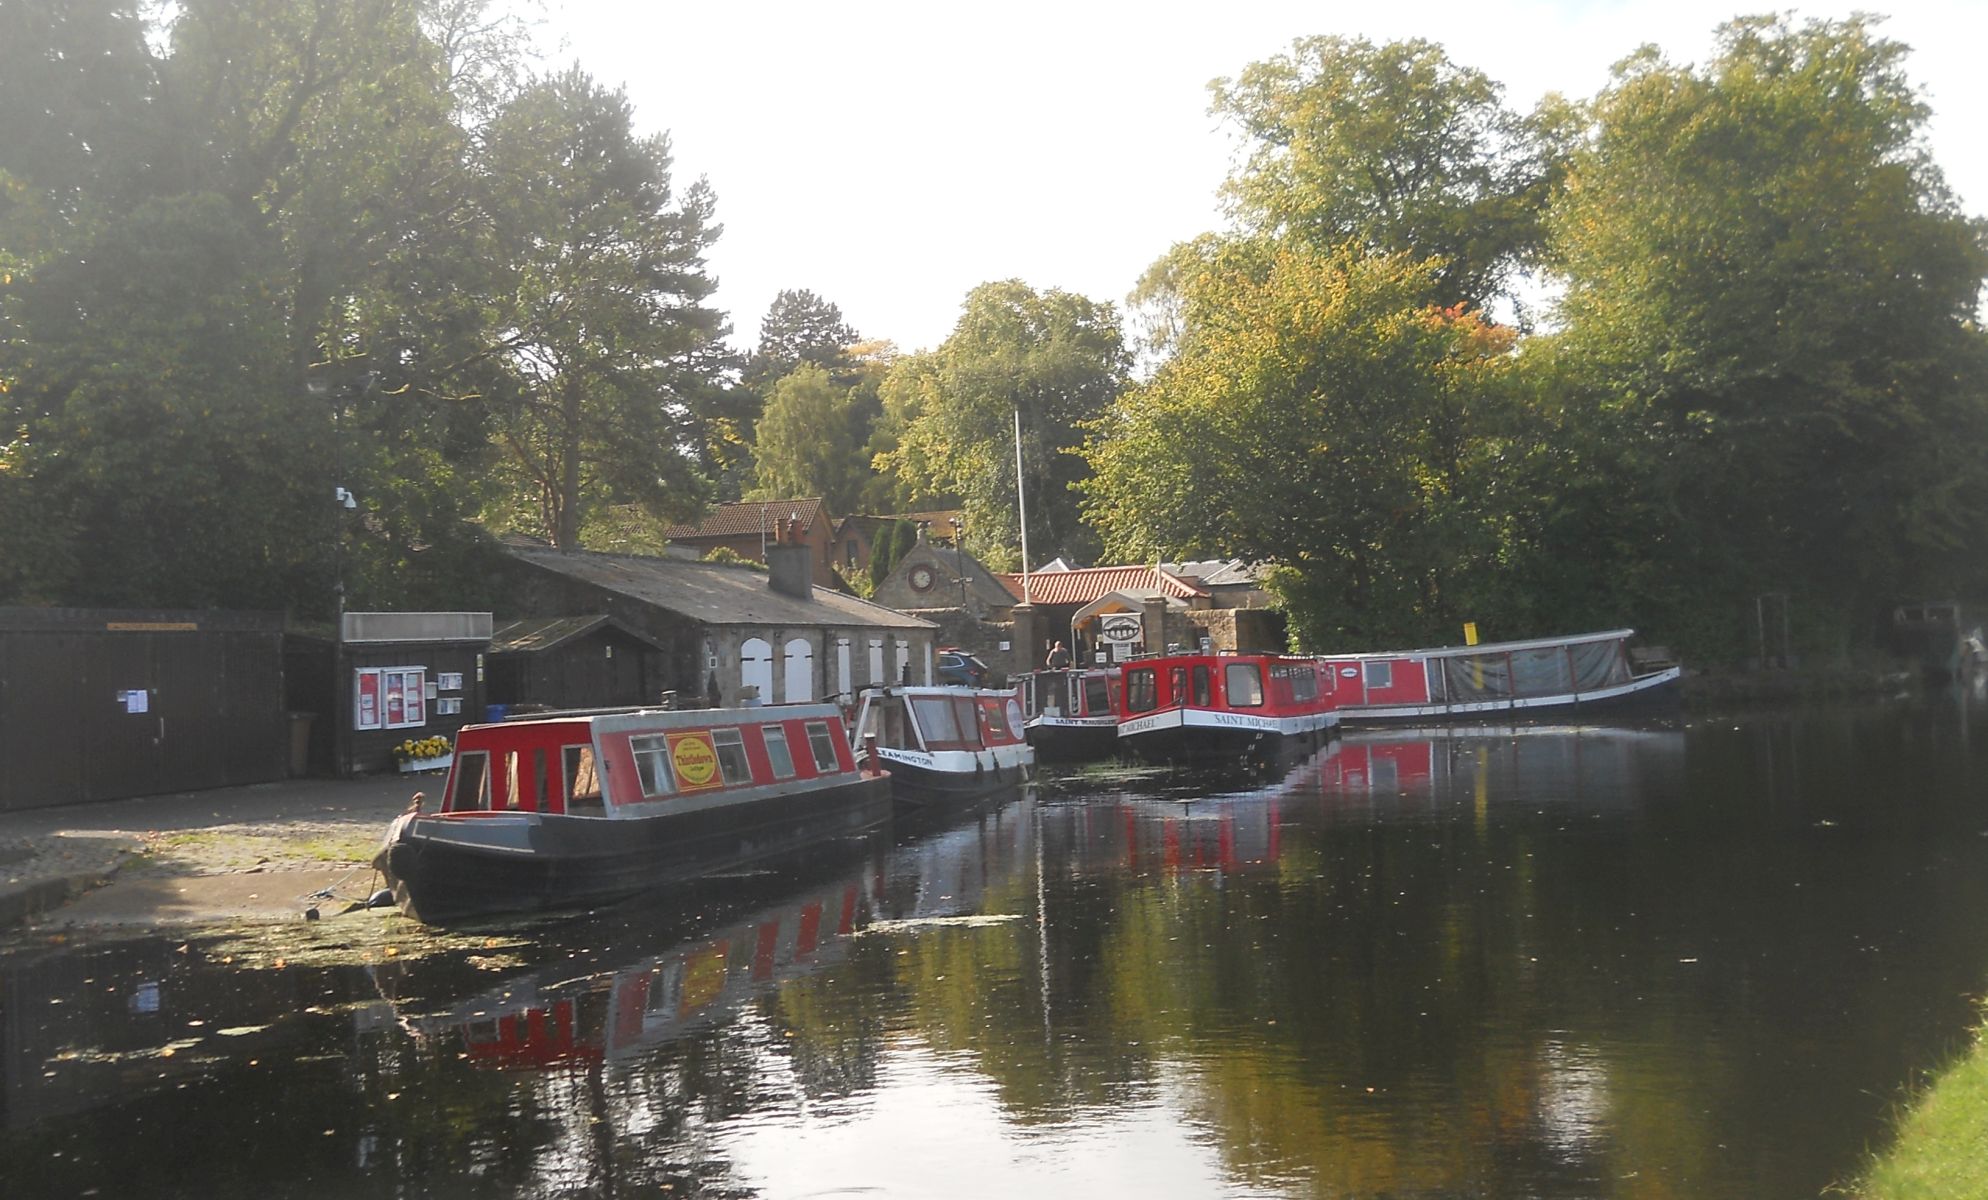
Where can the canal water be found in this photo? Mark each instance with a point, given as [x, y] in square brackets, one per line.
[1706, 958]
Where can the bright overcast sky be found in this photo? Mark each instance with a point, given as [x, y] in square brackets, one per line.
[892, 156]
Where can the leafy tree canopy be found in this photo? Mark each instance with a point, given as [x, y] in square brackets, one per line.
[1393, 148]
[1056, 358]
[1767, 277]
[1324, 417]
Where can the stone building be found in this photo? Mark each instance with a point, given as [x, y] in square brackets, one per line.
[725, 634]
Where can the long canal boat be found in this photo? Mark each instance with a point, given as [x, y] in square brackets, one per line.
[944, 745]
[1210, 709]
[1590, 672]
[571, 809]
[1071, 714]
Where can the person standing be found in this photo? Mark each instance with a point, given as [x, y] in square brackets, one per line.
[1059, 657]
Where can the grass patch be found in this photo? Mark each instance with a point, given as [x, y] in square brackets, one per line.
[211, 851]
[1941, 1152]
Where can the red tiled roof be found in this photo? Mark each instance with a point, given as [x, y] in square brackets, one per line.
[1093, 583]
[748, 516]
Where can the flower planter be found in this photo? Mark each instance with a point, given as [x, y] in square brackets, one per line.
[427, 764]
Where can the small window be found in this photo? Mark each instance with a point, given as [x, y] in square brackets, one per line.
[1141, 690]
[1177, 685]
[1244, 682]
[937, 722]
[777, 752]
[583, 781]
[652, 764]
[732, 755]
[1380, 675]
[472, 790]
[1097, 696]
[1203, 688]
[823, 745]
[1304, 684]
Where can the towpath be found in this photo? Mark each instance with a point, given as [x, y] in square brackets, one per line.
[253, 853]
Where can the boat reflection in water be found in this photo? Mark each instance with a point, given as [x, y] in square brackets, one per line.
[671, 984]
[1545, 961]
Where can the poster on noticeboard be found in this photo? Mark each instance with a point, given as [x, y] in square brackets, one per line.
[389, 697]
[366, 700]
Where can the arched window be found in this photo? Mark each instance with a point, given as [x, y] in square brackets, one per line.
[756, 668]
[800, 671]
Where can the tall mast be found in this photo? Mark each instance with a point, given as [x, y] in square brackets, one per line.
[1022, 504]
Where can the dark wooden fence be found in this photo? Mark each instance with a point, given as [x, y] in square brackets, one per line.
[101, 705]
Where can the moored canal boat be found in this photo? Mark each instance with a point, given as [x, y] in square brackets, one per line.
[1589, 672]
[1214, 709]
[570, 809]
[944, 745]
[1071, 715]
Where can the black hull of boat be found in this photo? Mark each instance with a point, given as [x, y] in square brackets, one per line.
[579, 861]
[1074, 743]
[1199, 748]
[916, 789]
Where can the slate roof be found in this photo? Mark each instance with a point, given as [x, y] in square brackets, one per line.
[1216, 572]
[543, 633]
[712, 593]
[748, 517]
[1086, 584]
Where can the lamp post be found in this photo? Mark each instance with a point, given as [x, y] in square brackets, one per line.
[959, 557]
[338, 394]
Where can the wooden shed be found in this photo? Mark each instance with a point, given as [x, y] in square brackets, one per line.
[106, 704]
[406, 676]
[575, 662]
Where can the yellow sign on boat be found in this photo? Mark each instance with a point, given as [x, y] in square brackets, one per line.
[695, 761]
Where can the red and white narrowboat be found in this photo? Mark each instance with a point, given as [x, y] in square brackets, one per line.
[944, 745]
[1217, 708]
[1071, 715]
[569, 809]
[1499, 680]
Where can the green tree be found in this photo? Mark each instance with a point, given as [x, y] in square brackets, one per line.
[799, 327]
[1396, 149]
[1324, 418]
[1055, 357]
[1769, 324]
[810, 440]
[603, 317]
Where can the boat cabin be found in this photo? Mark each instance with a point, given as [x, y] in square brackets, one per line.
[637, 764]
[936, 719]
[1487, 675]
[1084, 693]
[1268, 685]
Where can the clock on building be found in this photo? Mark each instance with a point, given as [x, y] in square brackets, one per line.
[921, 578]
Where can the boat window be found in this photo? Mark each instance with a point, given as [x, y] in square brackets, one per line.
[969, 723]
[1244, 682]
[994, 722]
[1203, 686]
[938, 723]
[472, 790]
[777, 752]
[820, 741]
[507, 777]
[1380, 674]
[652, 764]
[1141, 690]
[1097, 696]
[1304, 684]
[732, 755]
[1177, 685]
[583, 781]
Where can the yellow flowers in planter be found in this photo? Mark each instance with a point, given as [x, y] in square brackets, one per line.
[416, 749]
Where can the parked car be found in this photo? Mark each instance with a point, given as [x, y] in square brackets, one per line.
[958, 667]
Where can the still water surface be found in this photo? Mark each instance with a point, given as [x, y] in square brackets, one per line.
[1700, 959]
